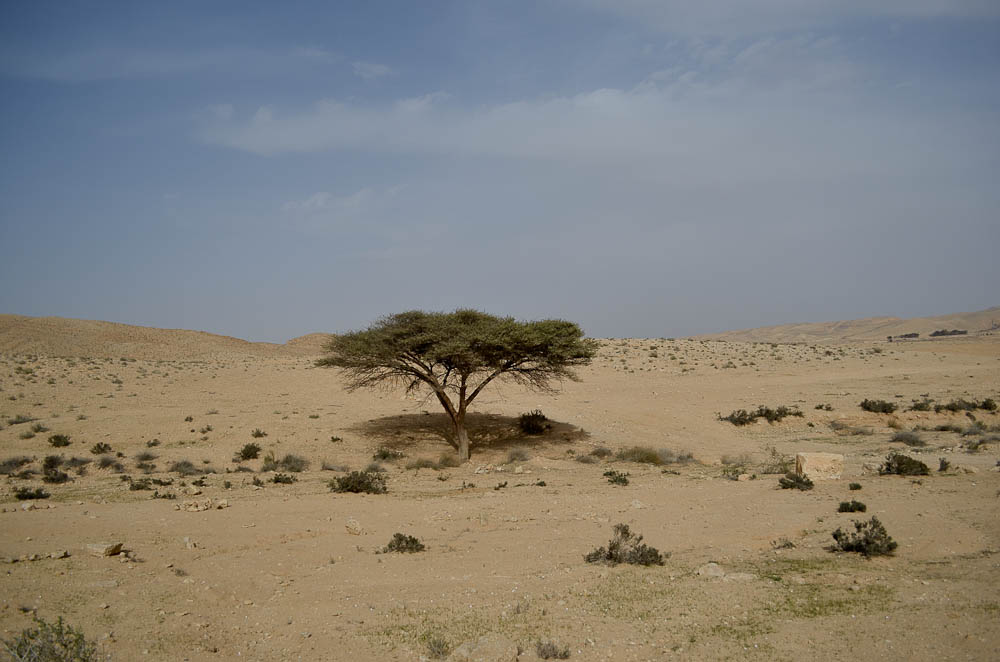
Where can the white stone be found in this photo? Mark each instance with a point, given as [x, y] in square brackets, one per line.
[819, 466]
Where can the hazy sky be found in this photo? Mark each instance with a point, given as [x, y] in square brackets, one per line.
[644, 168]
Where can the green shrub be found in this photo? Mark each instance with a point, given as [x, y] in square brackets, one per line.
[903, 465]
[625, 547]
[961, 404]
[184, 468]
[616, 477]
[741, 417]
[403, 544]
[283, 479]
[792, 480]
[290, 462]
[854, 487]
[548, 650]
[869, 539]
[258, 433]
[59, 440]
[100, 448]
[921, 405]
[25, 493]
[51, 642]
[533, 423]
[368, 482]
[852, 506]
[249, 451]
[878, 406]
[386, 454]
[943, 464]
[909, 438]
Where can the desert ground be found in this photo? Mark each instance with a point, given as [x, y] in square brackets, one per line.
[225, 564]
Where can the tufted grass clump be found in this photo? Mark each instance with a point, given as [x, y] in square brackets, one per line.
[625, 547]
[50, 642]
[549, 650]
[903, 465]
[403, 544]
[258, 433]
[909, 438]
[109, 462]
[359, 482]
[792, 480]
[655, 456]
[290, 462]
[185, 468]
[869, 539]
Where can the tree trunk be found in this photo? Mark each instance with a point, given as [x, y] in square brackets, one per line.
[463, 441]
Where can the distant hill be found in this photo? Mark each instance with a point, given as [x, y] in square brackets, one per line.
[872, 328]
[58, 336]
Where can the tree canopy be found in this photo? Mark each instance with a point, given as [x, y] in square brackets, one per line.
[456, 355]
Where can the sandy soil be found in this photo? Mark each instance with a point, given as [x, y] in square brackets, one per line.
[290, 572]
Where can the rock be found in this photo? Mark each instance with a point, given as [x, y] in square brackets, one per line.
[221, 503]
[104, 548]
[819, 466]
[489, 648]
[353, 527]
[519, 470]
[191, 490]
[710, 570]
[965, 469]
[743, 477]
[869, 468]
[60, 554]
[190, 544]
[739, 577]
[29, 505]
[638, 505]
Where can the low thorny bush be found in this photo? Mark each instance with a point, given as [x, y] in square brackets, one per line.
[357, 482]
[533, 423]
[741, 417]
[869, 539]
[792, 480]
[403, 544]
[852, 506]
[878, 406]
[625, 547]
[51, 642]
[903, 465]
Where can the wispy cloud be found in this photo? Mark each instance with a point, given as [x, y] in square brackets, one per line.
[371, 70]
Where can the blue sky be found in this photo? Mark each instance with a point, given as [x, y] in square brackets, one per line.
[644, 168]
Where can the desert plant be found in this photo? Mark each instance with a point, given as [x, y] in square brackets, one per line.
[108, 462]
[258, 433]
[59, 440]
[249, 451]
[948, 427]
[741, 417]
[19, 419]
[12, 464]
[903, 465]
[909, 438]
[100, 448]
[549, 650]
[517, 455]
[921, 405]
[852, 506]
[601, 452]
[386, 454]
[448, 460]
[184, 468]
[403, 544]
[283, 479]
[367, 482]
[586, 459]
[792, 480]
[145, 456]
[878, 406]
[776, 463]
[422, 463]
[869, 539]
[26, 493]
[854, 487]
[616, 477]
[533, 422]
[290, 462]
[51, 642]
[27, 434]
[625, 547]
[943, 464]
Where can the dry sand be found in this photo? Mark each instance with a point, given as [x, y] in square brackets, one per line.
[289, 572]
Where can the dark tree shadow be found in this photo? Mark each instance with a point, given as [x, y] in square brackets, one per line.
[486, 432]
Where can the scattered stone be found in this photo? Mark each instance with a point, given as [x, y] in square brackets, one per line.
[104, 548]
[60, 554]
[190, 544]
[710, 570]
[29, 505]
[638, 505]
[489, 648]
[353, 527]
[743, 477]
[819, 466]
[965, 469]
[191, 490]
[739, 577]
[199, 505]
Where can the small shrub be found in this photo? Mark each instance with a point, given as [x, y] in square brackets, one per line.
[27, 434]
[258, 433]
[367, 482]
[140, 485]
[422, 463]
[533, 423]
[100, 448]
[184, 468]
[329, 466]
[108, 462]
[403, 544]
[437, 646]
[943, 464]
[601, 452]
[921, 405]
[625, 547]
[852, 506]
[793, 480]
[854, 487]
[869, 539]
[909, 438]
[586, 459]
[19, 419]
[206, 429]
[903, 465]
[517, 455]
[188, 419]
[38, 428]
[386, 454]
[290, 462]
[616, 477]
[961, 404]
[26, 494]
[776, 463]
[824, 407]
[842, 428]
[249, 451]
[948, 427]
[283, 479]
[742, 417]
[448, 460]
[639, 454]
[548, 650]
[59, 440]
[878, 406]
[145, 456]
[51, 642]
[12, 464]
[54, 476]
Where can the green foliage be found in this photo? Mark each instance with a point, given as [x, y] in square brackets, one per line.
[616, 477]
[854, 487]
[403, 544]
[258, 433]
[533, 422]
[878, 406]
[100, 448]
[869, 539]
[903, 465]
[921, 405]
[625, 547]
[249, 451]
[51, 642]
[793, 480]
[368, 482]
[59, 440]
[283, 479]
[549, 650]
[852, 506]
[26, 493]
[946, 332]
[741, 417]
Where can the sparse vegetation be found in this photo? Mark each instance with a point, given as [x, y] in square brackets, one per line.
[549, 650]
[108, 462]
[403, 544]
[869, 539]
[290, 462]
[943, 464]
[12, 464]
[854, 487]
[283, 479]
[741, 417]
[616, 477]
[878, 406]
[852, 506]
[249, 451]
[27, 493]
[51, 642]
[903, 465]
[100, 448]
[184, 468]
[386, 454]
[367, 482]
[625, 547]
[962, 404]
[258, 433]
[533, 422]
[59, 440]
[647, 455]
[909, 438]
[517, 455]
[792, 480]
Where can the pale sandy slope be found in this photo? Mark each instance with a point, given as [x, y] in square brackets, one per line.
[872, 328]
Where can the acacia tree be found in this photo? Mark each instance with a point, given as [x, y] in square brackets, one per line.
[456, 355]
